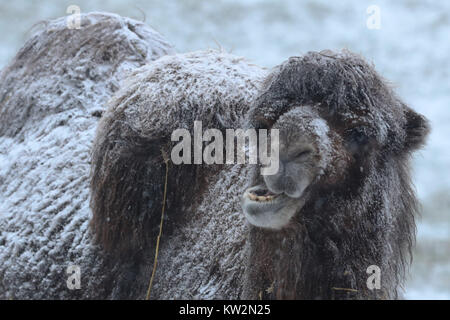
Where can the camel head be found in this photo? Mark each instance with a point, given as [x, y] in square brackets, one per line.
[337, 121]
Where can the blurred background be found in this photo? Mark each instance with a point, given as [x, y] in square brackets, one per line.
[408, 41]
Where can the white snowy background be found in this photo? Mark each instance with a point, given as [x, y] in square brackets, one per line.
[411, 49]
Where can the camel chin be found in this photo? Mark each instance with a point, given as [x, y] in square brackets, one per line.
[266, 209]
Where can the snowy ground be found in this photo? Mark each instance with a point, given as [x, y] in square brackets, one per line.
[410, 49]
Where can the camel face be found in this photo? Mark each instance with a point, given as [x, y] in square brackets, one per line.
[339, 122]
[306, 152]
[275, 199]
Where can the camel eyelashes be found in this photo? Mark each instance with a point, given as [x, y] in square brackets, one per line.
[302, 153]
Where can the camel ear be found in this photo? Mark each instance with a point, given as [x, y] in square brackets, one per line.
[417, 129]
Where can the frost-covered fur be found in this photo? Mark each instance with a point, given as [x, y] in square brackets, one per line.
[201, 253]
[52, 95]
[359, 211]
[50, 98]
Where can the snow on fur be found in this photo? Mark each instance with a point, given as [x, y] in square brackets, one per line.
[51, 97]
[201, 253]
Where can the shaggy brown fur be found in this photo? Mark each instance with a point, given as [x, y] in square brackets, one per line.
[52, 94]
[366, 217]
[127, 165]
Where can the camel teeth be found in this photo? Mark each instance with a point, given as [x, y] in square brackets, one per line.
[254, 197]
[265, 198]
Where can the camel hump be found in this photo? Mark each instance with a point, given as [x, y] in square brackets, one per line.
[61, 68]
[51, 97]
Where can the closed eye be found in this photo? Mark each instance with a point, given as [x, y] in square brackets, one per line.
[302, 153]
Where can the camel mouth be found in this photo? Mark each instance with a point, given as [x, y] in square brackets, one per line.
[267, 209]
[261, 194]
